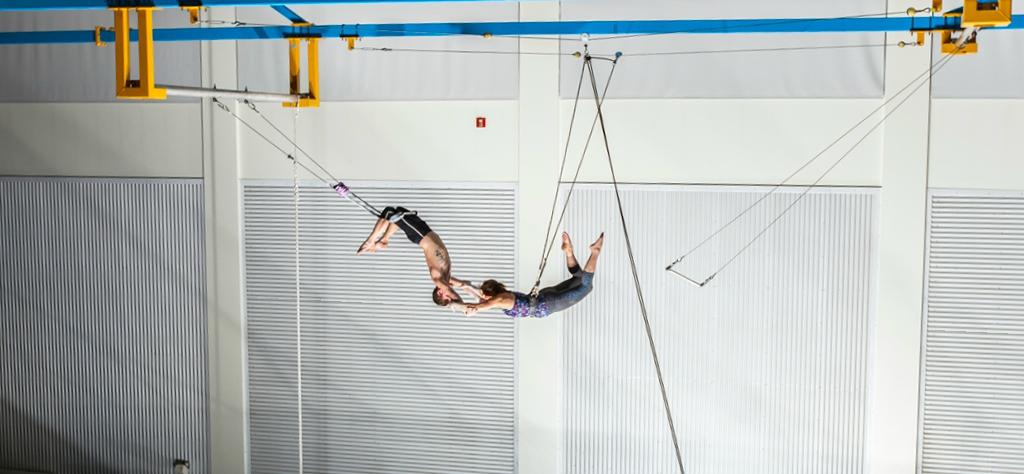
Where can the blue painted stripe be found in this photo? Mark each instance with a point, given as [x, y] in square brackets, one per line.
[288, 13]
[779, 25]
[30, 5]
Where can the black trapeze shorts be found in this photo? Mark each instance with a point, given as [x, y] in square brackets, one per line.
[414, 227]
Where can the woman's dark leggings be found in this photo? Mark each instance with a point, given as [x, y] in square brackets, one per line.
[569, 292]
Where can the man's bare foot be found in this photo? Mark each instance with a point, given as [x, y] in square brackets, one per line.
[566, 243]
[596, 246]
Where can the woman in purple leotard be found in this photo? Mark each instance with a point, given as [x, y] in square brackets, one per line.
[549, 300]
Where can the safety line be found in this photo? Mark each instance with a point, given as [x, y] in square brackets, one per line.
[298, 296]
[548, 238]
[284, 152]
[814, 158]
[636, 277]
[294, 143]
[460, 51]
[647, 54]
[933, 68]
[765, 50]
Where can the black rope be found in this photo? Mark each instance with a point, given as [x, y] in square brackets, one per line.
[636, 277]
[933, 68]
[549, 244]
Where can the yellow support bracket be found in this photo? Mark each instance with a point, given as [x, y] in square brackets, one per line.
[193, 14]
[312, 97]
[144, 87]
[974, 16]
[350, 41]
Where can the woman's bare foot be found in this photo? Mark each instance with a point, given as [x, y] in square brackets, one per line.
[566, 243]
[596, 246]
[366, 247]
[380, 245]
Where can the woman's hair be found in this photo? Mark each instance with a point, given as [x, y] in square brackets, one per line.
[492, 288]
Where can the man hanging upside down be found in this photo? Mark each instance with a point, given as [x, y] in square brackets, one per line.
[434, 251]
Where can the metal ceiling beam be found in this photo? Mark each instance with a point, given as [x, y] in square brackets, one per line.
[38, 5]
[289, 14]
[566, 28]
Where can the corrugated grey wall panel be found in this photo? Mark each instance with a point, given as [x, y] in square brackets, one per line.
[389, 382]
[972, 403]
[102, 325]
[766, 367]
[699, 71]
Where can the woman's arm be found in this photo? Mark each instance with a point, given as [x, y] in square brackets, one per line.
[468, 286]
[502, 301]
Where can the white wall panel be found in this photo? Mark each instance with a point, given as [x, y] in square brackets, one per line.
[103, 325]
[395, 75]
[766, 367]
[101, 139]
[837, 73]
[389, 381]
[973, 374]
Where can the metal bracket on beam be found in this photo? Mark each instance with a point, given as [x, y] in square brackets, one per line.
[350, 41]
[144, 87]
[974, 16]
[193, 14]
[310, 98]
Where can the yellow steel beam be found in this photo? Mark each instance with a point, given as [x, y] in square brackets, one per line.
[311, 98]
[145, 86]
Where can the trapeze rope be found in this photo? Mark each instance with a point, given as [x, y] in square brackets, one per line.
[549, 237]
[933, 68]
[340, 188]
[636, 277]
[298, 291]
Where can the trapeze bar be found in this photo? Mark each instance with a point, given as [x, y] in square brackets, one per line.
[30, 5]
[180, 91]
[641, 27]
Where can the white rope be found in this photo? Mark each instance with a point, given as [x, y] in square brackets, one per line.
[298, 287]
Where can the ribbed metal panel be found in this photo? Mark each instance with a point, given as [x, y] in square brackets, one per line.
[390, 382]
[766, 367]
[102, 325]
[973, 380]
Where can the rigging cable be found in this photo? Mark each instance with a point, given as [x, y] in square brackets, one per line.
[933, 68]
[549, 237]
[298, 291]
[332, 183]
[636, 277]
